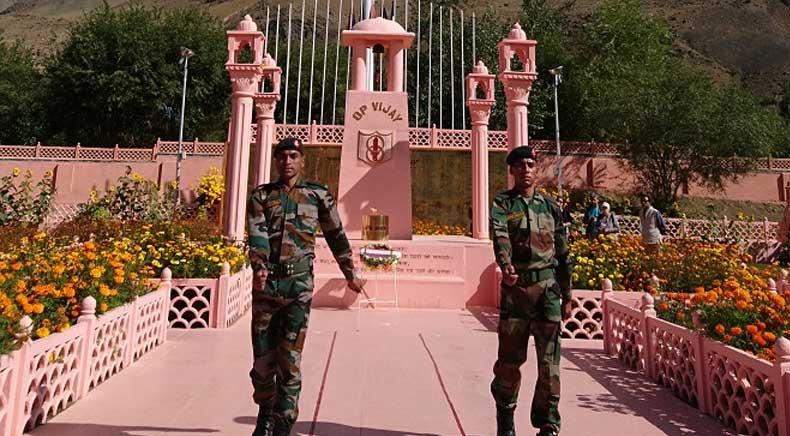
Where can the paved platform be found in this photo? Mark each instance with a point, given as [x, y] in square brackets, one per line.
[379, 372]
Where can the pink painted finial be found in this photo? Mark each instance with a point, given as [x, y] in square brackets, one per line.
[783, 274]
[26, 327]
[607, 285]
[648, 303]
[517, 33]
[782, 350]
[167, 274]
[225, 269]
[247, 25]
[268, 61]
[88, 306]
[696, 319]
[772, 285]
[480, 68]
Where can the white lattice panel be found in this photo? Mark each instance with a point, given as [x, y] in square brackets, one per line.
[674, 359]
[96, 154]
[497, 140]
[56, 152]
[17, 151]
[190, 303]
[135, 154]
[111, 339]
[586, 316]
[329, 135]
[235, 305]
[53, 373]
[211, 148]
[419, 138]
[741, 391]
[626, 335]
[168, 147]
[149, 323]
[8, 369]
[773, 230]
[301, 132]
[454, 139]
[629, 225]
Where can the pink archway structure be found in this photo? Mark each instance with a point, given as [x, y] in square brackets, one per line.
[375, 164]
[517, 83]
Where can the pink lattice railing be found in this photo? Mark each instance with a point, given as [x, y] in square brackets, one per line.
[325, 136]
[679, 228]
[45, 376]
[748, 394]
[211, 303]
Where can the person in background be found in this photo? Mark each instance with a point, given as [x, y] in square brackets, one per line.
[567, 218]
[590, 218]
[652, 224]
[607, 222]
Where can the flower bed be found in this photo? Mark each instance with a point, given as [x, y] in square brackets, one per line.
[748, 394]
[45, 376]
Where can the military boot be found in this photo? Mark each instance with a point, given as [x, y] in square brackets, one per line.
[504, 423]
[548, 431]
[263, 425]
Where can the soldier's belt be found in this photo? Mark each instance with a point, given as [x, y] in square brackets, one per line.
[536, 275]
[282, 270]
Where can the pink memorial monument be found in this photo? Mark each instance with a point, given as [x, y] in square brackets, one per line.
[375, 165]
[479, 112]
[517, 83]
[245, 78]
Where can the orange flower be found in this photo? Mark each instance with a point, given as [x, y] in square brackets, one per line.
[770, 337]
[663, 307]
[752, 329]
[759, 340]
[720, 329]
[736, 331]
[761, 325]
[727, 338]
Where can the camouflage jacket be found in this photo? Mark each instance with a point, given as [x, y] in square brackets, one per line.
[528, 234]
[282, 225]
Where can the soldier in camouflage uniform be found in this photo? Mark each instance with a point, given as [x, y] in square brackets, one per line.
[282, 224]
[531, 248]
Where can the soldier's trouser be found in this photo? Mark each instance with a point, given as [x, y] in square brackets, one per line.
[279, 326]
[530, 310]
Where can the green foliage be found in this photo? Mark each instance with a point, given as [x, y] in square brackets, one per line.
[20, 81]
[675, 125]
[118, 79]
[23, 203]
[135, 199]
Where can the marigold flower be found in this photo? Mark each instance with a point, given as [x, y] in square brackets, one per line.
[770, 337]
[761, 325]
[719, 329]
[752, 329]
[736, 331]
[42, 332]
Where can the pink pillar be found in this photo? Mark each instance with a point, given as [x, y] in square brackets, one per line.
[264, 110]
[782, 387]
[480, 111]
[517, 84]
[245, 79]
[237, 160]
[395, 67]
[359, 72]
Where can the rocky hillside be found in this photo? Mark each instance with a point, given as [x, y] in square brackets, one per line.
[746, 39]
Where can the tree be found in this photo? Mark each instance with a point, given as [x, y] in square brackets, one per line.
[675, 126]
[117, 79]
[20, 114]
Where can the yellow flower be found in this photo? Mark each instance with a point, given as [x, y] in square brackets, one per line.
[42, 332]
[16, 172]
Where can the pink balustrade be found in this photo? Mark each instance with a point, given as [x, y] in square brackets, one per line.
[211, 303]
[748, 394]
[45, 376]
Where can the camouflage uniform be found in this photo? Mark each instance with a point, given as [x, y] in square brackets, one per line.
[528, 233]
[282, 227]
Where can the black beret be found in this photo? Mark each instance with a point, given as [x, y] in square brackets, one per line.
[289, 144]
[518, 153]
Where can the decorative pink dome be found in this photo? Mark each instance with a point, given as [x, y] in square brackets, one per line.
[516, 32]
[480, 68]
[379, 25]
[247, 25]
[268, 61]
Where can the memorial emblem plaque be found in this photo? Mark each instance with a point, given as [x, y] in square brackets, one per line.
[374, 147]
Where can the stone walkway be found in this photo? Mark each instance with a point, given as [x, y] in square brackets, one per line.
[373, 373]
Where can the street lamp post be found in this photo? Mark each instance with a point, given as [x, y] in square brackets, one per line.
[557, 73]
[185, 55]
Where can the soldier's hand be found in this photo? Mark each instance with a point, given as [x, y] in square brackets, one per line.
[259, 279]
[509, 275]
[356, 284]
[567, 305]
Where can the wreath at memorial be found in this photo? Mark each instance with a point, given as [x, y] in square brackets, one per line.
[379, 256]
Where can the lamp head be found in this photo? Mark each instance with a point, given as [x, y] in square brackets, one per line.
[185, 54]
[556, 70]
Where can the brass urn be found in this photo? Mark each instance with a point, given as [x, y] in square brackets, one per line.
[375, 227]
